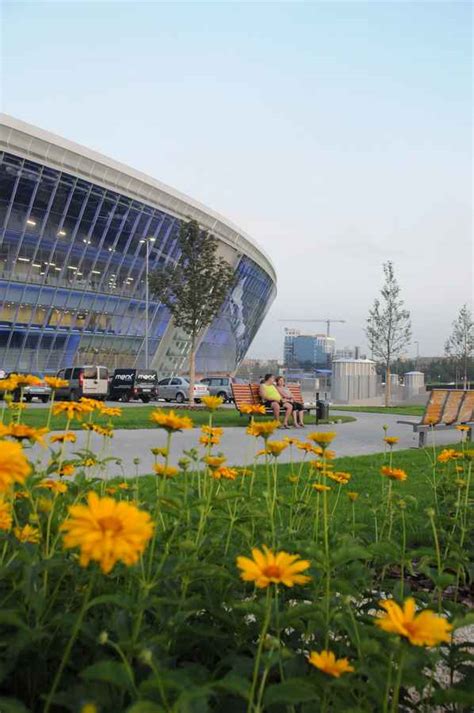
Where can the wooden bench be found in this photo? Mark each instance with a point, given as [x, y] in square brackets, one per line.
[248, 395]
[446, 408]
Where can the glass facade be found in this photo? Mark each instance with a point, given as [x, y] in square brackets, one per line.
[72, 276]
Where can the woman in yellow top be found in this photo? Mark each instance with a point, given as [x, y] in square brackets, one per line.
[271, 397]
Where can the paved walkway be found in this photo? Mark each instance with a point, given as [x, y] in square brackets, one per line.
[360, 437]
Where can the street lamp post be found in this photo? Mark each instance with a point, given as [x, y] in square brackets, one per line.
[147, 242]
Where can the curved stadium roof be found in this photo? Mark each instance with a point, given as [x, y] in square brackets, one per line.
[49, 149]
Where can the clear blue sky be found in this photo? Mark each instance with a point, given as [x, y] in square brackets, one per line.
[337, 134]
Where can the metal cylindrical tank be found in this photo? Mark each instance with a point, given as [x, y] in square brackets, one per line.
[353, 380]
[414, 382]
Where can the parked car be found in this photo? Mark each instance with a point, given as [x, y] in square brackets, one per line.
[219, 386]
[128, 384]
[177, 389]
[40, 391]
[89, 381]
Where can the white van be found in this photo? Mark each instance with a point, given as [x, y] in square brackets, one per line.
[89, 381]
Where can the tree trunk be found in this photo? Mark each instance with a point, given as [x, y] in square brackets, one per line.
[192, 370]
[388, 385]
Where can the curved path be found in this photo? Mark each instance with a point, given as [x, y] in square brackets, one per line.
[360, 437]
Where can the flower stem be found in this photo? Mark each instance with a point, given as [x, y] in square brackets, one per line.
[263, 633]
[67, 650]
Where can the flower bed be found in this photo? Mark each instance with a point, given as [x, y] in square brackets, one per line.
[301, 588]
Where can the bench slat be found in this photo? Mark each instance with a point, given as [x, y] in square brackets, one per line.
[466, 412]
[451, 407]
[434, 407]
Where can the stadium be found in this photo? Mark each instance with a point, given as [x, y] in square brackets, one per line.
[77, 229]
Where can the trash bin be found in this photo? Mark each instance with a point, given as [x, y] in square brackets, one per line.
[322, 410]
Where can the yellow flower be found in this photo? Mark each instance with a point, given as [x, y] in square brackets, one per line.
[424, 629]
[252, 409]
[245, 471]
[448, 454]
[214, 461]
[159, 452]
[309, 448]
[5, 515]
[293, 479]
[170, 421]
[339, 477]
[20, 495]
[110, 411]
[224, 472]
[54, 383]
[56, 486]
[326, 662]
[212, 402]
[111, 491]
[393, 473]
[63, 437]
[9, 384]
[123, 486]
[14, 467]
[212, 431]
[209, 440]
[165, 471]
[67, 469]
[107, 531]
[322, 438]
[44, 505]
[21, 432]
[17, 406]
[275, 448]
[71, 409]
[462, 427]
[27, 534]
[89, 708]
[26, 380]
[291, 440]
[89, 462]
[460, 482]
[391, 440]
[352, 496]
[91, 404]
[266, 568]
[264, 429]
[469, 454]
[321, 488]
[104, 431]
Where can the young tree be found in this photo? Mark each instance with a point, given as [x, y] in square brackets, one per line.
[460, 345]
[194, 290]
[388, 328]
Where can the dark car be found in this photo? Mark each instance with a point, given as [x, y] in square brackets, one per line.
[128, 384]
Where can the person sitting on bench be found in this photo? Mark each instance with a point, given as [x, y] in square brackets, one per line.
[271, 397]
[287, 396]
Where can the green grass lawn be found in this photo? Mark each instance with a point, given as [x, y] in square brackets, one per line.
[139, 417]
[365, 479]
[409, 410]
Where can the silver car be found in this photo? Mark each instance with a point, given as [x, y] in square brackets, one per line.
[177, 389]
[219, 386]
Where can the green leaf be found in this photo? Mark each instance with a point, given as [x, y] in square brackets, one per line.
[237, 685]
[117, 599]
[293, 690]
[145, 707]
[12, 705]
[108, 672]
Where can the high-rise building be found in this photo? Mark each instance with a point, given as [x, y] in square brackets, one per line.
[307, 350]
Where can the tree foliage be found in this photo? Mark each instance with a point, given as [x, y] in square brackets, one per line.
[195, 288]
[388, 328]
[460, 345]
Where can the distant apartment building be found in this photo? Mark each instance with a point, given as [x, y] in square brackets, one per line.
[307, 350]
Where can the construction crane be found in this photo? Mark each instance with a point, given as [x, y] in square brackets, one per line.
[327, 322]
